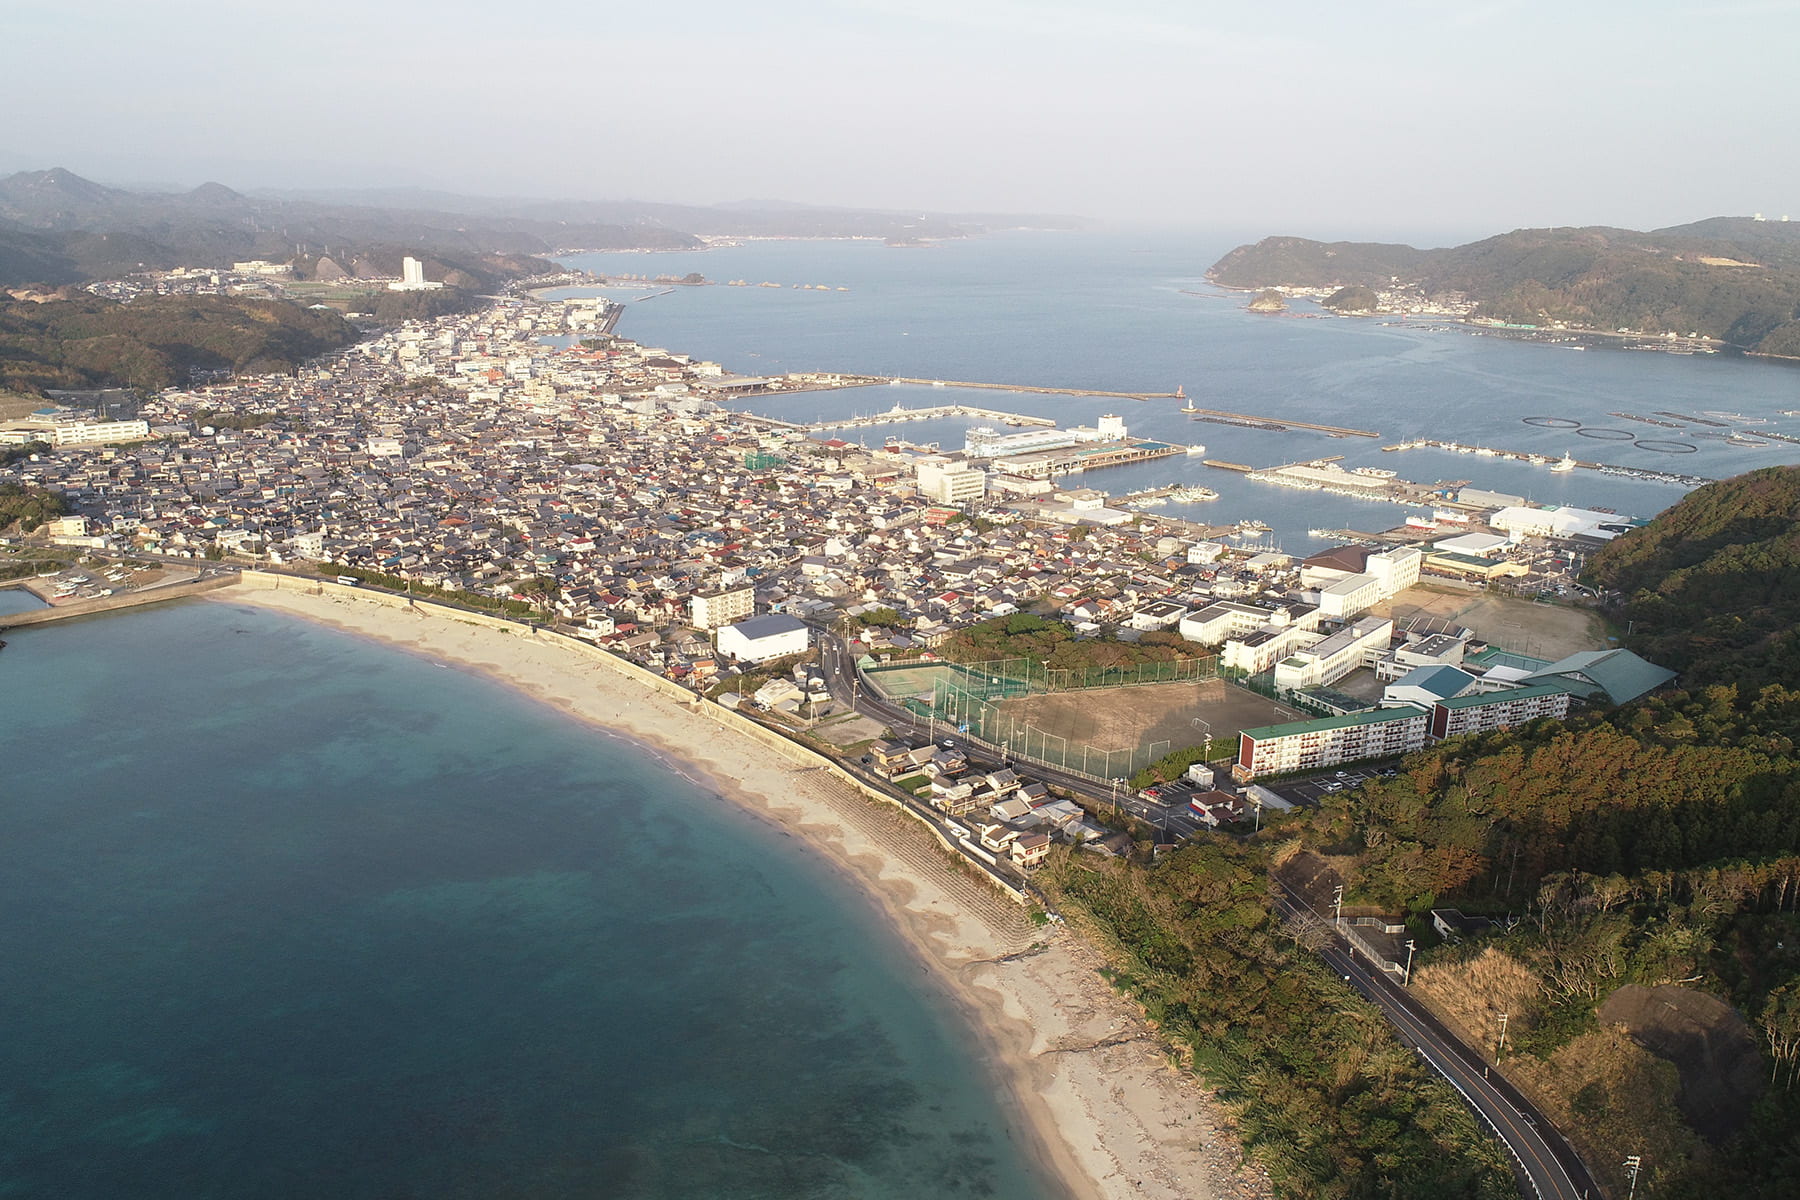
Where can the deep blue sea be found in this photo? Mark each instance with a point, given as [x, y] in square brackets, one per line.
[1120, 312]
[286, 913]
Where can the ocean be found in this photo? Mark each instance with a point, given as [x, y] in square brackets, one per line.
[289, 913]
[1128, 311]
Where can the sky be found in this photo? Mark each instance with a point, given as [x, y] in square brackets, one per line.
[1391, 118]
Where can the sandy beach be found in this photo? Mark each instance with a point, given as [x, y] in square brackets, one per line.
[1088, 1081]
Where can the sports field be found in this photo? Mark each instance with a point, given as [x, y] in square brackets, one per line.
[1159, 716]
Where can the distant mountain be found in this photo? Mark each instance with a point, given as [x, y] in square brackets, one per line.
[1730, 278]
[56, 227]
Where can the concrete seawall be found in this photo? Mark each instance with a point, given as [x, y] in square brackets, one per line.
[104, 604]
[719, 715]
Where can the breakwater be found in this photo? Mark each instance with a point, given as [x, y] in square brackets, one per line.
[83, 608]
[1026, 387]
[1647, 473]
[898, 415]
[1277, 423]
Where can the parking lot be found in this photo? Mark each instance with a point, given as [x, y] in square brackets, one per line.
[1311, 791]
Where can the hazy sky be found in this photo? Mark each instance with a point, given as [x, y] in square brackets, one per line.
[1321, 117]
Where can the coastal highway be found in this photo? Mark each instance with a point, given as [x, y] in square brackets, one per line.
[1543, 1162]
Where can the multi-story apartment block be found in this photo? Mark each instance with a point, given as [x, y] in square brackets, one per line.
[1328, 741]
[1484, 711]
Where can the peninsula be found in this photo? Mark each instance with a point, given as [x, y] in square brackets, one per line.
[1724, 282]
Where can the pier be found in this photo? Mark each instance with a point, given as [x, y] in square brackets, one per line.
[1277, 423]
[897, 415]
[1647, 473]
[1042, 391]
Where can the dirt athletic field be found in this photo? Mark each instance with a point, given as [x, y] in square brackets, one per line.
[1147, 715]
[1549, 631]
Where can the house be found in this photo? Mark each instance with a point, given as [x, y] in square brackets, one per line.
[1031, 849]
[1218, 808]
[889, 754]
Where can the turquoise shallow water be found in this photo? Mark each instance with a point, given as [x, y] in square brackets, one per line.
[287, 913]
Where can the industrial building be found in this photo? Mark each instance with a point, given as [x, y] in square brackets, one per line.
[760, 639]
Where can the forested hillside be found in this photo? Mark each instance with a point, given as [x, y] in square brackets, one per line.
[1712, 587]
[1642, 861]
[1733, 279]
[151, 343]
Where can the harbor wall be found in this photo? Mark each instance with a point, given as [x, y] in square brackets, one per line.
[102, 604]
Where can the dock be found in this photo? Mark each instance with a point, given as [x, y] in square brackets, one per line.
[898, 415]
[1027, 387]
[1646, 473]
[1277, 423]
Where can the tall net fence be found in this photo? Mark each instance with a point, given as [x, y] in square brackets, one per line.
[969, 699]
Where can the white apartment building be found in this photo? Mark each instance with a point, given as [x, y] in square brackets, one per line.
[100, 433]
[709, 610]
[947, 482]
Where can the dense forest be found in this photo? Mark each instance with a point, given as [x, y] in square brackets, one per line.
[1723, 278]
[86, 341]
[1712, 587]
[1639, 859]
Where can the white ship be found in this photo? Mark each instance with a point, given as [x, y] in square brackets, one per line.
[1565, 463]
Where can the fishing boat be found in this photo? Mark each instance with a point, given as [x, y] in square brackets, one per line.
[1565, 463]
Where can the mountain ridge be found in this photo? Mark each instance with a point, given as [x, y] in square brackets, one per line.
[1730, 278]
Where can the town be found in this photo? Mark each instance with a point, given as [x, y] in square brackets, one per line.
[525, 460]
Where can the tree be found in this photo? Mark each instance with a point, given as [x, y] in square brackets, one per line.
[1781, 1025]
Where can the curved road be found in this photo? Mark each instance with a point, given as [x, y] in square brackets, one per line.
[1545, 1165]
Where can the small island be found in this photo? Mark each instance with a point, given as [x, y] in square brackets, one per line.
[1269, 300]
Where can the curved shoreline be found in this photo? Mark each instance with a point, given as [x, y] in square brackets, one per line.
[1098, 1109]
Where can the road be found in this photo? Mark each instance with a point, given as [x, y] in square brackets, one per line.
[839, 669]
[1543, 1162]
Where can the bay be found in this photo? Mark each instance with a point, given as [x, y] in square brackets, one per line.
[1130, 311]
[284, 912]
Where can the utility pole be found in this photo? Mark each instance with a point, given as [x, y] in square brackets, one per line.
[1337, 905]
[1501, 1047]
[1406, 979]
[1633, 1164]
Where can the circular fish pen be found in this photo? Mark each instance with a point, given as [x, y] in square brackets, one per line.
[1602, 433]
[1552, 422]
[1662, 446]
